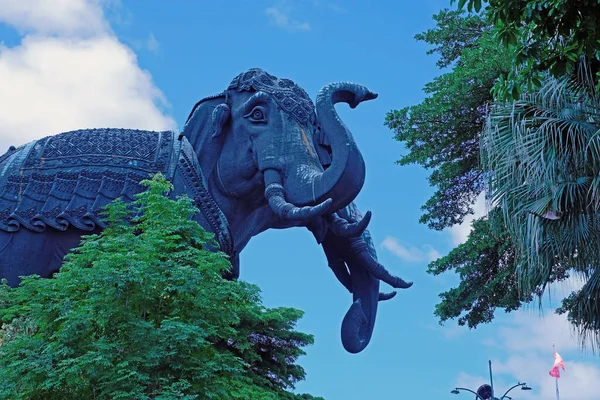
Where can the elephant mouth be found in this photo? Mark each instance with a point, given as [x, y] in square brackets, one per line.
[249, 170]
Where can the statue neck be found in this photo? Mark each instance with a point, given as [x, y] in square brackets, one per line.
[233, 220]
[245, 220]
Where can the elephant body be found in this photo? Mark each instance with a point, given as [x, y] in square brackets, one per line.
[257, 156]
[54, 189]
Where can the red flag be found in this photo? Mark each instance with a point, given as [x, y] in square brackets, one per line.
[558, 362]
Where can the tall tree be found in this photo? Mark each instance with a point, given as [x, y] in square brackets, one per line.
[141, 311]
[442, 134]
[505, 54]
[542, 157]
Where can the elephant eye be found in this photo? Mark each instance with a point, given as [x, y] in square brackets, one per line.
[257, 115]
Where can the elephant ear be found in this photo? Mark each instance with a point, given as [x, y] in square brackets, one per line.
[205, 121]
[220, 116]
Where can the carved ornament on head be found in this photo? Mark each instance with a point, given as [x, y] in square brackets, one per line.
[287, 94]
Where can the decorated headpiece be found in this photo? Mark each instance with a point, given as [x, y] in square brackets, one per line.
[290, 97]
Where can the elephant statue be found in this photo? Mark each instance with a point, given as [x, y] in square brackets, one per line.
[259, 155]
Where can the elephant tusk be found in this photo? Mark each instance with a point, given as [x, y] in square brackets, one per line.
[341, 227]
[387, 296]
[275, 195]
[284, 210]
[374, 268]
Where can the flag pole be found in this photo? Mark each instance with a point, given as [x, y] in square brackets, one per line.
[556, 379]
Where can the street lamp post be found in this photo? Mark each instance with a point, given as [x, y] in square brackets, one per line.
[523, 387]
[486, 392]
[457, 391]
[491, 380]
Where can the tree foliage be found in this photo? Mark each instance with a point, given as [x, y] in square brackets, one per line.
[485, 266]
[443, 134]
[545, 36]
[542, 154]
[141, 311]
[505, 50]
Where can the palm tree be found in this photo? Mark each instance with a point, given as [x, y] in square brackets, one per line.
[541, 155]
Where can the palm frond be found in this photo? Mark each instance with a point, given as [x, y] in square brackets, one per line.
[541, 157]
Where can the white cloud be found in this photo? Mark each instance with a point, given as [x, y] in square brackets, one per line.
[460, 232]
[527, 330]
[61, 17]
[580, 381]
[527, 338]
[281, 18]
[410, 254]
[77, 76]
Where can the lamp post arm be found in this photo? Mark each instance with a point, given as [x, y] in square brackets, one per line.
[469, 390]
[517, 385]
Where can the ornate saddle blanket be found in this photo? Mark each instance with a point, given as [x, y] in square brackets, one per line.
[64, 180]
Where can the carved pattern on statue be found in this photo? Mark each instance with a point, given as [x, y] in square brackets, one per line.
[204, 201]
[130, 148]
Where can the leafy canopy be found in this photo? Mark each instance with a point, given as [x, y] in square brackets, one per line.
[494, 57]
[141, 311]
[485, 266]
[544, 36]
[442, 134]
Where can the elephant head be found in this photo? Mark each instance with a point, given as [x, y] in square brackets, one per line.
[264, 127]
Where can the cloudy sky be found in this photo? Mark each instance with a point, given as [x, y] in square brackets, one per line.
[68, 64]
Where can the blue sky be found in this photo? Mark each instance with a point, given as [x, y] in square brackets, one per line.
[79, 64]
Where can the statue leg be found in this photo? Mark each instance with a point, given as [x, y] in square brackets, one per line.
[337, 263]
[346, 270]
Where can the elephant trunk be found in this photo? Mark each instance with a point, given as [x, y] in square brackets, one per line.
[358, 324]
[344, 179]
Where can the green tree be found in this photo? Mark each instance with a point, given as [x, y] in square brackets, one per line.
[554, 37]
[485, 266]
[443, 134]
[141, 311]
[542, 157]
